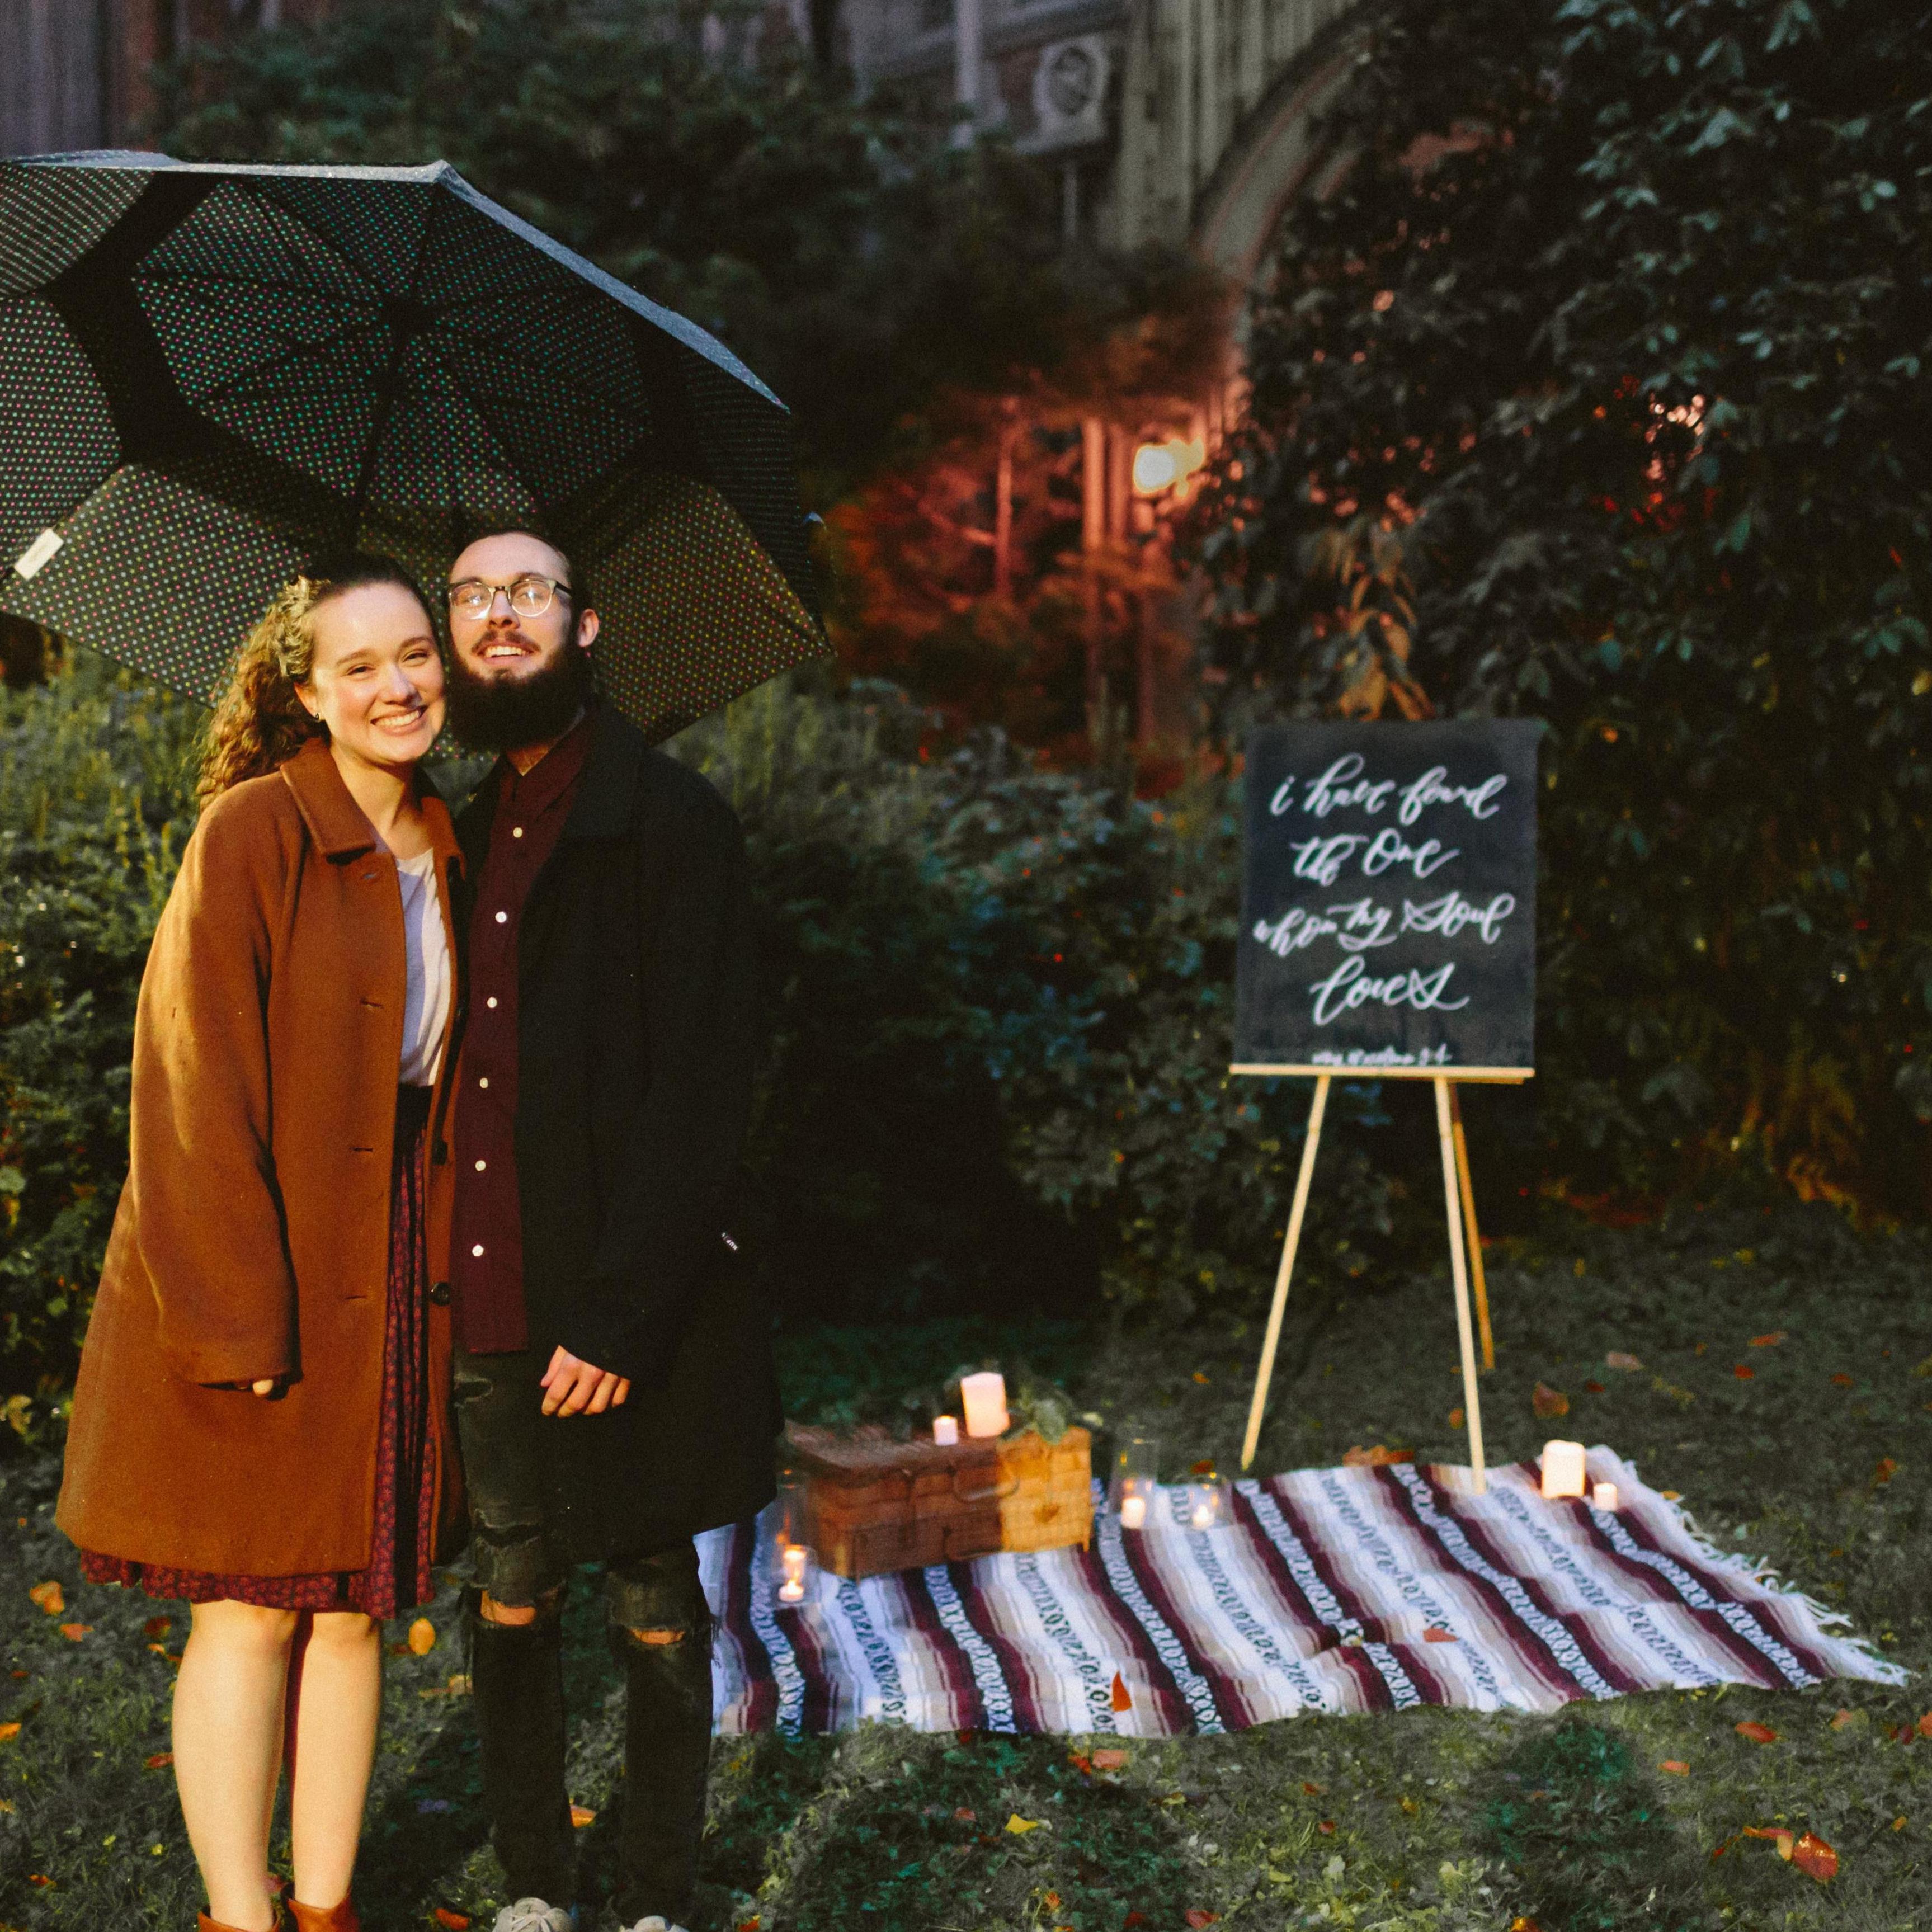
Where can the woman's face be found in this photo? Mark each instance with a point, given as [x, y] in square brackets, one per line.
[377, 680]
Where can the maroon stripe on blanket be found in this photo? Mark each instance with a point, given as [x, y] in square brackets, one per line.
[1163, 1593]
[1650, 1584]
[762, 1703]
[955, 1667]
[1537, 1652]
[1028, 1716]
[1155, 1682]
[1373, 1687]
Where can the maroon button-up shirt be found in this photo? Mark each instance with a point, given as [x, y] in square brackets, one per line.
[487, 1243]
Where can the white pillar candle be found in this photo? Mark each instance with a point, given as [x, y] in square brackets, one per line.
[1562, 1469]
[984, 1397]
[1133, 1512]
[946, 1430]
[1605, 1495]
[792, 1590]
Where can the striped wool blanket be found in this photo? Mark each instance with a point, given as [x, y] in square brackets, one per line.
[1331, 1590]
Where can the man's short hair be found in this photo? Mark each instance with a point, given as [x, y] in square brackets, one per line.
[580, 585]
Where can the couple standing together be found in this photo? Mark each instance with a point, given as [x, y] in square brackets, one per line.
[429, 1228]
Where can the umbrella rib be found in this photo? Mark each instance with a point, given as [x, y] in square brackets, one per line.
[390, 386]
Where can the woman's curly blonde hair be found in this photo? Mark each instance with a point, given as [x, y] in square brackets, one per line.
[260, 722]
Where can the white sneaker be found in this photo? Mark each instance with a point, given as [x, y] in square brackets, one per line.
[532, 1915]
[656, 1922]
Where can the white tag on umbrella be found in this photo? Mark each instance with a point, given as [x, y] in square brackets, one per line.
[38, 554]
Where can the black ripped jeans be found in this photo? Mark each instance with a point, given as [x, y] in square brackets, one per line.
[516, 1670]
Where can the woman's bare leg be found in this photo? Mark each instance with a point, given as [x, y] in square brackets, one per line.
[338, 1710]
[228, 1750]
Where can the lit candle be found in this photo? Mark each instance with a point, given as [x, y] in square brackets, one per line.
[946, 1430]
[1605, 1495]
[1562, 1469]
[1133, 1512]
[985, 1399]
[1204, 1515]
[792, 1590]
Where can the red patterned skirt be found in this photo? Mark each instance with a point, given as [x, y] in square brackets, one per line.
[404, 1535]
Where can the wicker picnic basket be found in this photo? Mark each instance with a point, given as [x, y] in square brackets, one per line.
[873, 1505]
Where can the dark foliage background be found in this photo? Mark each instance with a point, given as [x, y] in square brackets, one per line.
[1596, 391]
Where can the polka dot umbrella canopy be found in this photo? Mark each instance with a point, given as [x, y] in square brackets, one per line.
[210, 372]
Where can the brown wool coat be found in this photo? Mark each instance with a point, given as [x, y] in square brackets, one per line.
[252, 1236]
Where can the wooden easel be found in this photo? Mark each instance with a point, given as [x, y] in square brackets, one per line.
[1465, 1249]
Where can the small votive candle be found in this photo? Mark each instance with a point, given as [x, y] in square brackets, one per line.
[946, 1430]
[1133, 1512]
[984, 1399]
[1562, 1469]
[792, 1590]
[1604, 1495]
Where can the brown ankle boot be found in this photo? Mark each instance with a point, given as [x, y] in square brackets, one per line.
[324, 1918]
[202, 1923]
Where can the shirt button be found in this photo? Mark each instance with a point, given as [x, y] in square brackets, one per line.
[491, 1003]
[478, 1249]
[484, 1080]
[516, 832]
[480, 1165]
[502, 918]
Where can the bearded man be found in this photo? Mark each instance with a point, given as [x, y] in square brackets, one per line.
[614, 1386]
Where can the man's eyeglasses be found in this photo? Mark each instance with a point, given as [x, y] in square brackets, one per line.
[529, 596]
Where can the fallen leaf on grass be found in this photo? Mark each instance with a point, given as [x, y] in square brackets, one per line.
[1770, 1341]
[1198, 1376]
[39, 1878]
[1313, 1790]
[581, 1815]
[1548, 1402]
[1887, 1468]
[1327, 1828]
[1925, 1725]
[1843, 1380]
[457, 1922]
[159, 1762]
[1675, 1766]
[1455, 1418]
[157, 1626]
[1847, 1719]
[1110, 1760]
[8, 1733]
[1759, 1734]
[963, 1817]
[48, 1597]
[422, 1636]
[1080, 1761]
[1121, 1699]
[1019, 1827]
[1813, 1857]
[1197, 1918]
[1672, 1496]
[1132, 1919]
[1898, 1824]
[1619, 1359]
[1520, 1924]
[1743, 1372]
[1925, 1368]
[1594, 1387]
[1377, 1458]
[73, 1633]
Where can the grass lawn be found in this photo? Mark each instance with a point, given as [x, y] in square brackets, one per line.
[1817, 1462]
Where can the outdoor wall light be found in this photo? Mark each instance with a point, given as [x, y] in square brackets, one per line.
[1160, 466]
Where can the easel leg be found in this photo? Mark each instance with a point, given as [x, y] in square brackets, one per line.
[1477, 1279]
[1472, 1407]
[1265, 1373]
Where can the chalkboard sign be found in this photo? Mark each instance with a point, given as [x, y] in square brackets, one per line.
[1388, 900]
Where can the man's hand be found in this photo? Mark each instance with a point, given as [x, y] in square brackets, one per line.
[571, 1387]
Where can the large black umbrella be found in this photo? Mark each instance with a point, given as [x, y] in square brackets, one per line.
[208, 372]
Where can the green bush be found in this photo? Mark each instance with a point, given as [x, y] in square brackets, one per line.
[1599, 378]
[998, 1004]
[95, 805]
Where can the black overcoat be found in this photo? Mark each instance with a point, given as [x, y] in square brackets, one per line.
[636, 994]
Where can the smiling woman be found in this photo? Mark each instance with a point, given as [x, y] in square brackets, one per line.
[254, 1430]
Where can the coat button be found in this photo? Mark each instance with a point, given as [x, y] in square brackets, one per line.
[439, 1293]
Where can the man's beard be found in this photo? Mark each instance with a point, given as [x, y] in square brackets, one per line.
[505, 714]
